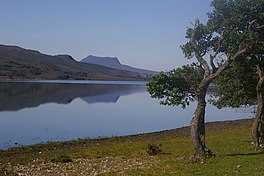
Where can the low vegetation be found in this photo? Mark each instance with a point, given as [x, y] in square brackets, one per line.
[19, 63]
[127, 155]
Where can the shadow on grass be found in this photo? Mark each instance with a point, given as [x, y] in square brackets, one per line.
[246, 154]
[165, 153]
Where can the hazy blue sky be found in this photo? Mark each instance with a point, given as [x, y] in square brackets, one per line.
[141, 33]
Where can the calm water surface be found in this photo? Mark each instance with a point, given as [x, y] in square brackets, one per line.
[36, 112]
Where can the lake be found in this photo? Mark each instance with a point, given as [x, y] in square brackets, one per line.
[40, 111]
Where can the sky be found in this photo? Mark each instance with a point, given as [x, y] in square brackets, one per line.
[140, 33]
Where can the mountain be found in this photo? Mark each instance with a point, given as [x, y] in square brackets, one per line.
[113, 62]
[20, 63]
[65, 56]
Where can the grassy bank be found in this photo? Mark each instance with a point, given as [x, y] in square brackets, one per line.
[230, 141]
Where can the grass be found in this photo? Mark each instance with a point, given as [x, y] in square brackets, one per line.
[119, 156]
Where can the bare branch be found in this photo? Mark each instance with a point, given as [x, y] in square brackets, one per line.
[250, 27]
[256, 27]
[230, 60]
[196, 49]
[212, 57]
[242, 50]
[260, 27]
[259, 71]
[212, 63]
[204, 53]
[219, 46]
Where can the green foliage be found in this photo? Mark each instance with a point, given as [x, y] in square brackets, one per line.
[176, 87]
[205, 41]
[232, 24]
[237, 20]
[236, 86]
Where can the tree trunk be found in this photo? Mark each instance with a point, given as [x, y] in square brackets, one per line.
[197, 123]
[257, 129]
[198, 128]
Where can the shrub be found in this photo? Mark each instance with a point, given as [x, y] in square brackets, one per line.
[154, 149]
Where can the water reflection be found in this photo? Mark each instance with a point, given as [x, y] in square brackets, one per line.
[60, 112]
[16, 96]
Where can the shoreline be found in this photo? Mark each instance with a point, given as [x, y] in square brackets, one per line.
[127, 155]
[142, 137]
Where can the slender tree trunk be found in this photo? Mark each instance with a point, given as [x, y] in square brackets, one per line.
[257, 129]
[198, 128]
[197, 123]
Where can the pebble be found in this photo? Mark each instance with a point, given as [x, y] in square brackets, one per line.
[89, 167]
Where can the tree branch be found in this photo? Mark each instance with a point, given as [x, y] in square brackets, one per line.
[212, 63]
[196, 49]
[235, 56]
[257, 27]
[260, 27]
[259, 71]
[212, 57]
[231, 60]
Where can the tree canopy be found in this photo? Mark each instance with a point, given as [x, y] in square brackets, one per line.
[234, 30]
[243, 85]
[236, 87]
[176, 87]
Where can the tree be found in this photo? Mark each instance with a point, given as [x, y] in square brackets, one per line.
[176, 87]
[245, 89]
[258, 126]
[227, 36]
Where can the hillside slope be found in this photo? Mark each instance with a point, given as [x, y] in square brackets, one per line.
[19, 63]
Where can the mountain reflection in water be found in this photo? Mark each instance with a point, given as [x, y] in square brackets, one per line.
[16, 96]
[37, 112]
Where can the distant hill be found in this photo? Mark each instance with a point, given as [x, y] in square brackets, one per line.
[113, 62]
[20, 63]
